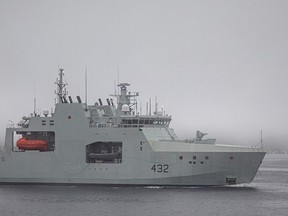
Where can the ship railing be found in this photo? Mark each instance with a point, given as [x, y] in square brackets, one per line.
[23, 123]
[17, 125]
[10, 125]
[101, 125]
[142, 125]
[131, 125]
[123, 125]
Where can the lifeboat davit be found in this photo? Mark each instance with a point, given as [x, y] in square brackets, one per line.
[26, 144]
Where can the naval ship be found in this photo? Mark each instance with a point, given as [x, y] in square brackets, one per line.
[112, 144]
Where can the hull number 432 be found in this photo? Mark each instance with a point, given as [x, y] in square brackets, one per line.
[160, 168]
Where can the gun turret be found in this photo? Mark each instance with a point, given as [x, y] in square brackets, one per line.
[200, 135]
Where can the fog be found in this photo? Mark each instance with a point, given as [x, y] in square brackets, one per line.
[215, 66]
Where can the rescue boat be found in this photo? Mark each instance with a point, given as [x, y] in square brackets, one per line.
[26, 144]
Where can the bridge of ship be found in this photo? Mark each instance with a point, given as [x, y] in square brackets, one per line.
[144, 121]
[136, 121]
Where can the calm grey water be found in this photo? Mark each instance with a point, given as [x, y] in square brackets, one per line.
[267, 195]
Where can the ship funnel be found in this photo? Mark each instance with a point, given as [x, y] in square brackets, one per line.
[70, 99]
[108, 101]
[79, 99]
[100, 102]
[64, 99]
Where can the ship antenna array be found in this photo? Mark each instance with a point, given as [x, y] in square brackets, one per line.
[261, 141]
[61, 87]
[118, 82]
[86, 102]
[34, 111]
[156, 106]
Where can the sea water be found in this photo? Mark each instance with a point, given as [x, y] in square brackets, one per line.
[266, 195]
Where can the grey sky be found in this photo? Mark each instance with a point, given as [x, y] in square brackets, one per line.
[217, 66]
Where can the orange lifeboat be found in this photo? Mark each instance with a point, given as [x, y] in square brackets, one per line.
[26, 144]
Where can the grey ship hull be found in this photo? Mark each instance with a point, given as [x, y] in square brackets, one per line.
[102, 144]
[50, 170]
[146, 159]
[62, 176]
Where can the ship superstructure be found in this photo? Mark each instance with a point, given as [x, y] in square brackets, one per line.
[107, 143]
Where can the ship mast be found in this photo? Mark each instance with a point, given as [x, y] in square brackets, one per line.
[61, 90]
[125, 98]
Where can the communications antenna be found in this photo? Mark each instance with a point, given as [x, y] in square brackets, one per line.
[61, 87]
[86, 88]
[261, 141]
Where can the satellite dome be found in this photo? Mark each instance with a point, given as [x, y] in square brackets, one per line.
[46, 112]
[125, 108]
